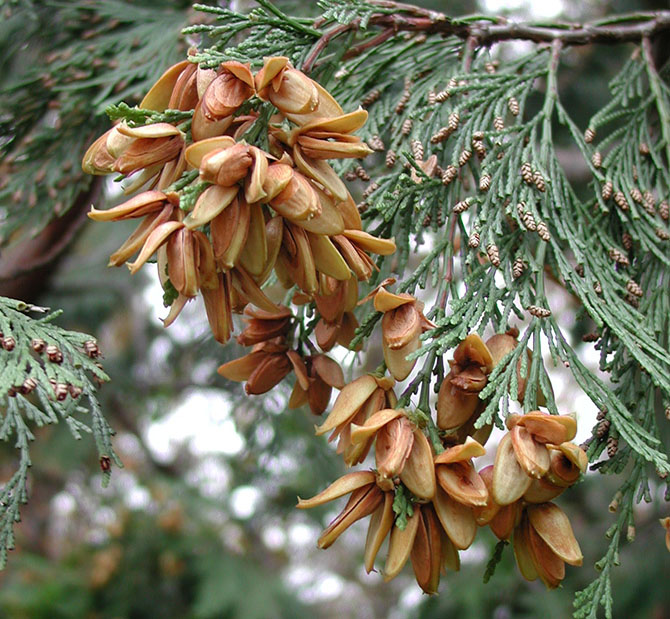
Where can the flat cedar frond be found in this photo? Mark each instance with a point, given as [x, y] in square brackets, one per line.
[48, 375]
[468, 163]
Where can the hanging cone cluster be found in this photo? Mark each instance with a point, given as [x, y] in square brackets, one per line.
[448, 498]
[244, 190]
[245, 213]
[284, 210]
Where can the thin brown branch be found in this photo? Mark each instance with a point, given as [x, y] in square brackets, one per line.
[321, 44]
[644, 24]
[374, 41]
[26, 267]
[631, 28]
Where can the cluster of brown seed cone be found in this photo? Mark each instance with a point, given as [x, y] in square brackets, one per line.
[252, 212]
[284, 211]
[450, 499]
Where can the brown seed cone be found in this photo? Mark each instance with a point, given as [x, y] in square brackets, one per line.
[225, 94]
[426, 553]
[393, 446]
[454, 406]
[363, 502]
[146, 152]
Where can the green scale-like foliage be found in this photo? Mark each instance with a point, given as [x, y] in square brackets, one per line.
[506, 217]
[53, 96]
[48, 375]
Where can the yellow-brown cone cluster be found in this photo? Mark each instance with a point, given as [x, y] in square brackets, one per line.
[254, 212]
[450, 499]
[535, 462]
[402, 324]
[231, 198]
